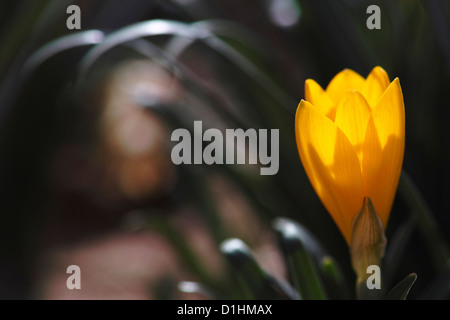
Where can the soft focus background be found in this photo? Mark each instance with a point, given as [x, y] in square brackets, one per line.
[86, 176]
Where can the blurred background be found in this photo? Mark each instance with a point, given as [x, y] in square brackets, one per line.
[86, 116]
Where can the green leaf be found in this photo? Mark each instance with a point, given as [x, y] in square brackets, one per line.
[401, 290]
[395, 250]
[254, 281]
[133, 32]
[301, 268]
[198, 288]
[183, 248]
[425, 221]
[83, 38]
[333, 279]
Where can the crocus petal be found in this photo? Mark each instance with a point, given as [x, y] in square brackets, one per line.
[345, 80]
[383, 150]
[375, 85]
[331, 165]
[352, 116]
[319, 99]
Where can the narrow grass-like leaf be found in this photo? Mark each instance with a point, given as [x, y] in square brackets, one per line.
[425, 221]
[34, 24]
[308, 239]
[283, 288]
[249, 187]
[14, 38]
[193, 263]
[253, 72]
[10, 89]
[198, 288]
[160, 27]
[237, 32]
[401, 290]
[395, 249]
[206, 203]
[333, 279]
[296, 245]
[220, 28]
[254, 281]
[194, 83]
[133, 32]
[83, 38]
[194, 31]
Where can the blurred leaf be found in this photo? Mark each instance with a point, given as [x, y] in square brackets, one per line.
[283, 287]
[333, 279]
[187, 255]
[194, 83]
[83, 38]
[247, 47]
[133, 32]
[340, 33]
[201, 289]
[439, 288]
[11, 89]
[33, 23]
[310, 242]
[395, 250]
[199, 31]
[255, 282]
[13, 38]
[246, 66]
[190, 31]
[165, 288]
[425, 221]
[297, 246]
[401, 290]
[235, 31]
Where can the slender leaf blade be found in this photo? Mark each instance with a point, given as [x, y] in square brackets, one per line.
[401, 290]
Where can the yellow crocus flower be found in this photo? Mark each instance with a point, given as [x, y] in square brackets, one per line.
[351, 140]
